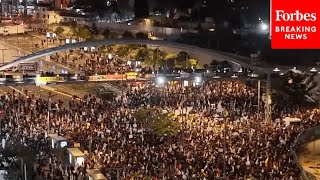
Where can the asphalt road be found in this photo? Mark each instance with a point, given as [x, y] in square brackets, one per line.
[38, 92]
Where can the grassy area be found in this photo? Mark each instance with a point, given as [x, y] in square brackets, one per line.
[91, 88]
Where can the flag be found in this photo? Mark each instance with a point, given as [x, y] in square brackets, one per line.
[266, 161]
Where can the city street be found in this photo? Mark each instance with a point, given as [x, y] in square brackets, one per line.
[38, 92]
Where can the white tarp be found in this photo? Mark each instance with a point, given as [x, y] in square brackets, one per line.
[289, 120]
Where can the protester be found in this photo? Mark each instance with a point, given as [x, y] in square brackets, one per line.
[239, 145]
[94, 63]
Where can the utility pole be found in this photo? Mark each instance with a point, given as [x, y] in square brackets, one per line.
[224, 147]
[19, 104]
[21, 168]
[90, 145]
[25, 171]
[2, 52]
[259, 94]
[268, 99]
[49, 109]
[32, 44]
[225, 115]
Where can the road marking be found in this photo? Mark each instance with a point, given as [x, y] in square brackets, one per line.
[17, 90]
[54, 90]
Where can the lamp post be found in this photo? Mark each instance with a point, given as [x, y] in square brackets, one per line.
[49, 109]
[2, 52]
[269, 98]
[17, 35]
[259, 94]
[224, 143]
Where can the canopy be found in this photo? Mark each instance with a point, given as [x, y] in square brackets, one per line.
[96, 174]
[76, 152]
[289, 120]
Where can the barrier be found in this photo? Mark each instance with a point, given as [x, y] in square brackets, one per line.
[132, 75]
[45, 80]
[116, 77]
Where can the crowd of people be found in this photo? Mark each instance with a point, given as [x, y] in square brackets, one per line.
[209, 144]
[92, 63]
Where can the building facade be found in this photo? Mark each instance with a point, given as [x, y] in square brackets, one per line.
[47, 15]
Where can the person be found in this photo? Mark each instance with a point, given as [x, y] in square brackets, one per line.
[207, 146]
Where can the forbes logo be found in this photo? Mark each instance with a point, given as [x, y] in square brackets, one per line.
[281, 15]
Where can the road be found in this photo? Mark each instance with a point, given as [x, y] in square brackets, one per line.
[38, 92]
[19, 46]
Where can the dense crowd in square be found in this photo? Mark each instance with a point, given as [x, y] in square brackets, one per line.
[209, 145]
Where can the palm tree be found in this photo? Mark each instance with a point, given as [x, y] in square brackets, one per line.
[165, 125]
[144, 116]
[161, 124]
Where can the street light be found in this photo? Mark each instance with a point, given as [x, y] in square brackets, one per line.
[2, 51]
[197, 80]
[234, 76]
[160, 80]
[276, 70]
[313, 70]
[263, 26]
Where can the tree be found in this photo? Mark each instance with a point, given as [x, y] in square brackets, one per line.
[15, 150]
[59, 30]
[74, 31]
[182, 59]
[141, 8]
[127, 34]
[84, 33]
[170, 60]
[143, 115]
[94, 29]
[145, 55]
[141, 35]
[123, 51]
[162, 124]
[106, 33]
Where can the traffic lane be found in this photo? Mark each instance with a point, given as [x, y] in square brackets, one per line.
[5, 90]
[43, 93]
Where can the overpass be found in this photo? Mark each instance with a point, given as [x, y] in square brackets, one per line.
[204, 56]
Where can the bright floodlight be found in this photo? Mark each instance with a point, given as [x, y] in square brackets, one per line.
[197, 79]
[264, 27]
[160, 80]
[276, 70]
[313, 70]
